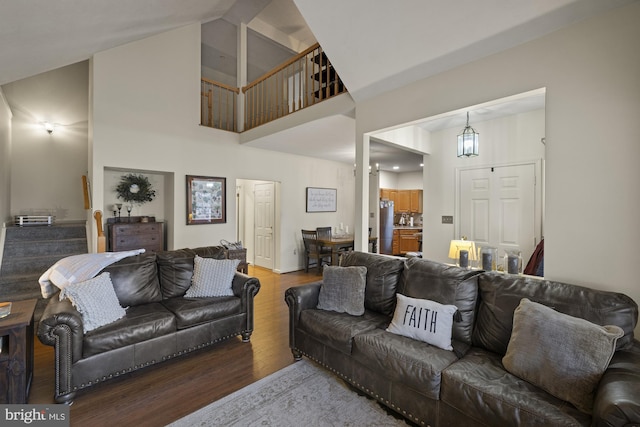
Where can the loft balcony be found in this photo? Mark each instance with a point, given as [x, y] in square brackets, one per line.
[302, 81]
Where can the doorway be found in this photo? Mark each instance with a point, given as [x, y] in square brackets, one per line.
[498, 206]
[257, 225]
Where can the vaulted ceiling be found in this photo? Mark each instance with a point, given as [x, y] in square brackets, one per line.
[375, 45]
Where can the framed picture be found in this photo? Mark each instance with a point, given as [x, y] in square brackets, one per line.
[206, 200]
[321, 199]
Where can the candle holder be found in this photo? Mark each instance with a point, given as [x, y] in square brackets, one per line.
[119, 206]
[512, 261]
[129, 208]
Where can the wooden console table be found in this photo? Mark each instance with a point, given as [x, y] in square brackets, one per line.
[16, 352]
[131, 234]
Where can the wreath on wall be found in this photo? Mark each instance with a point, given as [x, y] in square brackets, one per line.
[135, 189]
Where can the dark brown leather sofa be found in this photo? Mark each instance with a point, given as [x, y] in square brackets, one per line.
[467, 386]
[159, 324]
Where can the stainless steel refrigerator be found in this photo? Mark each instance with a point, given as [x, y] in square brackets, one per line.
[386, 227]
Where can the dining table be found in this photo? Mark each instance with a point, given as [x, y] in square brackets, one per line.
[339, 244]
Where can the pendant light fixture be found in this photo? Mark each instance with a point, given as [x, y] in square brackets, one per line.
[468, 141]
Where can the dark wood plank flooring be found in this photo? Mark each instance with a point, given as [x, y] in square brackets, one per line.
[160, 394]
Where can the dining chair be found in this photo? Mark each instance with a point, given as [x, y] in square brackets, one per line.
[313, 251]
[324, 233]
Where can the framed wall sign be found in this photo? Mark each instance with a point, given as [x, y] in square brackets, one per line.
[206, 200]
[321, 199]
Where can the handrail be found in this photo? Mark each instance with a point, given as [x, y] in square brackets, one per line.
[299, 82]
[281, 67]
[302, 81]
[222, 85]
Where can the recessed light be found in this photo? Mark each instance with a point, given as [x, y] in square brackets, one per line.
[421, 165]
[396, 168]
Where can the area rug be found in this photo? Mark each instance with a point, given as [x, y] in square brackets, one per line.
[302, 394]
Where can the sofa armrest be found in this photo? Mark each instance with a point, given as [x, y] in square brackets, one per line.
[298, 299]
[246, 287]
[617, 400]
[61, 326]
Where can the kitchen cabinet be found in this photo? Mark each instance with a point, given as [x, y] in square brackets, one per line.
[405, 240]
[415, 201]
[384, 194]
[408, 241]
[390, 194]
[405, 201]
[395, 246]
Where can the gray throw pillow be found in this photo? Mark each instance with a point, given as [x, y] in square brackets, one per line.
[95, 300]
[212, 277]
[564, 355]
[342, 289]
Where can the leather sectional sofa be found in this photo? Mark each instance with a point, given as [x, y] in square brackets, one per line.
[160, 323]
[469, 385]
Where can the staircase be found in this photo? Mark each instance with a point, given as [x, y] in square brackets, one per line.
[29, 251]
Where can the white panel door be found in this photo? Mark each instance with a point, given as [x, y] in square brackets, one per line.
[497, 207]
[264, 222]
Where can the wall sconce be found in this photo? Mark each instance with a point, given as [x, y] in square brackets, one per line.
[468, 141]
[371, 170]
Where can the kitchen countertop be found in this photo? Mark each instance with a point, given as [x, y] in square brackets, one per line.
[407, 227]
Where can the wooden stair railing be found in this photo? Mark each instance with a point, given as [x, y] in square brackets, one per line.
[218, 105]
[102, 241]
[302, 81]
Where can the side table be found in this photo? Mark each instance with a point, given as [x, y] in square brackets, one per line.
[16, 352]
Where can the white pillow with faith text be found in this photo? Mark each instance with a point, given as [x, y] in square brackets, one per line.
[423, 320]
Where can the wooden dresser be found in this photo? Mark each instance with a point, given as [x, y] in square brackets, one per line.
[124, 236]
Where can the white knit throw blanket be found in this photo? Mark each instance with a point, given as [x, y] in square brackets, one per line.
[78, 268]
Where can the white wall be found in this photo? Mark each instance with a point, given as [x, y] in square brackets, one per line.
[506, 140]
[5, 166]
[591, 71]
[410, 181]
[5, 159]
[47, 169]
[388, 179]
[145, 117]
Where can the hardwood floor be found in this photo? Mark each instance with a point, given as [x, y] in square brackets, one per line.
[160, 394]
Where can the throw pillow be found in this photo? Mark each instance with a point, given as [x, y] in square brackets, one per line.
[342, 289]
[563, 355]
[212, 277]
[423, 320]
[95, 300]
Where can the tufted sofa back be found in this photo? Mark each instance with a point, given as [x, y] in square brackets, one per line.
[175, 268]
[135, 280]
[500, 294]
[384, 274]
[152, 277]
[445, 284]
